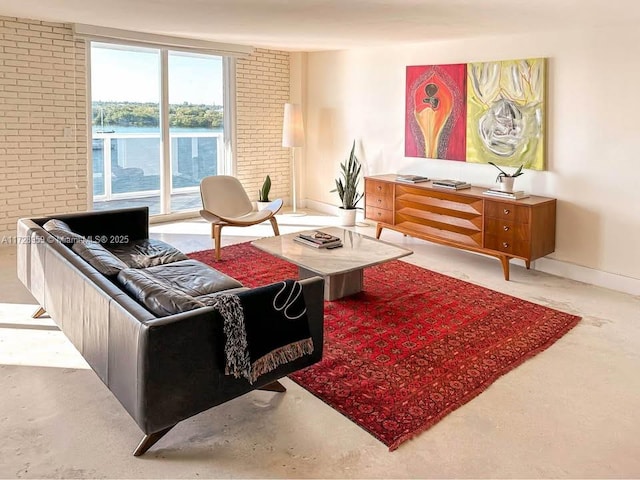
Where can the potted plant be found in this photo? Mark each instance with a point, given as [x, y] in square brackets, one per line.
[347, 188]
[505, 180]
[263, 194]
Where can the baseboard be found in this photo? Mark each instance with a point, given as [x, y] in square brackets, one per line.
[579, 273]
[588, 275]
[334, 210]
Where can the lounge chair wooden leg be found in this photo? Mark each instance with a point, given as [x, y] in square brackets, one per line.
[38, 313]
[149, 441]
[274, 387]
[217, 233]
[274, 225]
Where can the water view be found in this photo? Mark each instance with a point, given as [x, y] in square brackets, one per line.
[127, 151]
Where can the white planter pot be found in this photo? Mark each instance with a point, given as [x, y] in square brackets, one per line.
[506, 184]
[262, 205]
[347, 217]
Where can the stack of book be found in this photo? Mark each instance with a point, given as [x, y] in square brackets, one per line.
[517, 195]
[411, 178]
[452, 184]
[318, 240]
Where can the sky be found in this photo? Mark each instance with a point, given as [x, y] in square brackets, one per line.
[127, 75]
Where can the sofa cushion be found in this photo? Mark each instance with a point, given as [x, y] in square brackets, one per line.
[99, 257]
[147, 253]
[174, 287]
[62, 232]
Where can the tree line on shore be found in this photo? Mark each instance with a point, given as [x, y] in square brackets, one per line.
[131, 114]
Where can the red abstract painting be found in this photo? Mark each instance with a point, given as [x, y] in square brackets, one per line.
[436, 112]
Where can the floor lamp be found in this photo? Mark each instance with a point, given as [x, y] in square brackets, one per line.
[292, 137]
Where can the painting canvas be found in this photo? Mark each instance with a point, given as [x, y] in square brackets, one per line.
[506, 113]
[435, 122]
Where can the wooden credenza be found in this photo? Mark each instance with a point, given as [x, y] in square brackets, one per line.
[466, 219]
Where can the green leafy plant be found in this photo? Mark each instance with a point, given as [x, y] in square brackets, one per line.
[347, 185]
[502, 173]
[263, 193]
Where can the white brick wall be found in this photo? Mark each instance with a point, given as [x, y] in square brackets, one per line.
[43, 131]
[262, 90]
[42, 97]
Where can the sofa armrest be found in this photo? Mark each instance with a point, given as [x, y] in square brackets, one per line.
[113, 226]
[183, 362]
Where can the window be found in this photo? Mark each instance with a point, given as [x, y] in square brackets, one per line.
[157, 126]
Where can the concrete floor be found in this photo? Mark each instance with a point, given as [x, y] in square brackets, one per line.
[572, 411]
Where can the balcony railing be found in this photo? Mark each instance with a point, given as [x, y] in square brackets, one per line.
[130, 165]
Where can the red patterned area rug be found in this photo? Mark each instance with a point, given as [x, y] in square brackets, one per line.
[413, 346]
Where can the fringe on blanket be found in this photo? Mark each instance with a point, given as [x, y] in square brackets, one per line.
[280, 356]
[236, 348]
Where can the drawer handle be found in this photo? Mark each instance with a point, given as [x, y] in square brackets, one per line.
[379, 214]
[507, 211]
[505, 228]
[379, 200]
[379, 187]
[505, 244]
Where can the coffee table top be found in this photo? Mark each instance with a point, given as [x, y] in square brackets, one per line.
[358, 251]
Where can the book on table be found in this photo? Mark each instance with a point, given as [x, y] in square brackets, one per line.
[319, 239]
[304, 241]
[411, 178]
[517, 195]
[453, 184]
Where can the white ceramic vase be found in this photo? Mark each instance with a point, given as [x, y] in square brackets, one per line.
[506, 183]
[347, 217]
[262, 205]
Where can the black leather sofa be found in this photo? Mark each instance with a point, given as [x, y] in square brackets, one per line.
[163, 368]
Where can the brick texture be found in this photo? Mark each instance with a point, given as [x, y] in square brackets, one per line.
[43, 143]
[43, 121]
[262, 90]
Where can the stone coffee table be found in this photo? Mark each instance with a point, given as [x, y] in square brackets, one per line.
[342, 268]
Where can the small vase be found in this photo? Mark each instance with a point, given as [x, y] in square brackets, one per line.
[506, 184]
[262, 205]
[347, 217]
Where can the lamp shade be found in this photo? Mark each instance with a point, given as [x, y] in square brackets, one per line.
[292, 127]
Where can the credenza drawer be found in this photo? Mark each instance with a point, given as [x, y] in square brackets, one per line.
[378, 214]
[380, 189]
[508, 237]
[506, 211]
[379, 201]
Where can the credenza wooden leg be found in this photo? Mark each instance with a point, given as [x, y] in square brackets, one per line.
[505, 267]
[527, 263]
[378, 230]
[38, 313]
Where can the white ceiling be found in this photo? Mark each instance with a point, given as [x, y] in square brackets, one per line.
[310, 25]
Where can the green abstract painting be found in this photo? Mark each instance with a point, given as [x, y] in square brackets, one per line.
[506, 113]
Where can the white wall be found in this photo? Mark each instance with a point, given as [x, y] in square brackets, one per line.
[593, 131]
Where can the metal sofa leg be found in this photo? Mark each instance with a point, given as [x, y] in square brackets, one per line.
[149, 441]
[273, 387]
[38, 313]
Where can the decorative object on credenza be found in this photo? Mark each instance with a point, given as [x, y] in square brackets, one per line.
[347, 188]
[411, 178]
[478, 112]
[495, 193]
[437, 342]
[263, 194]
[505, 180]
[451, 184]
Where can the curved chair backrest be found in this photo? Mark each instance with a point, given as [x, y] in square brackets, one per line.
[225, 196]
